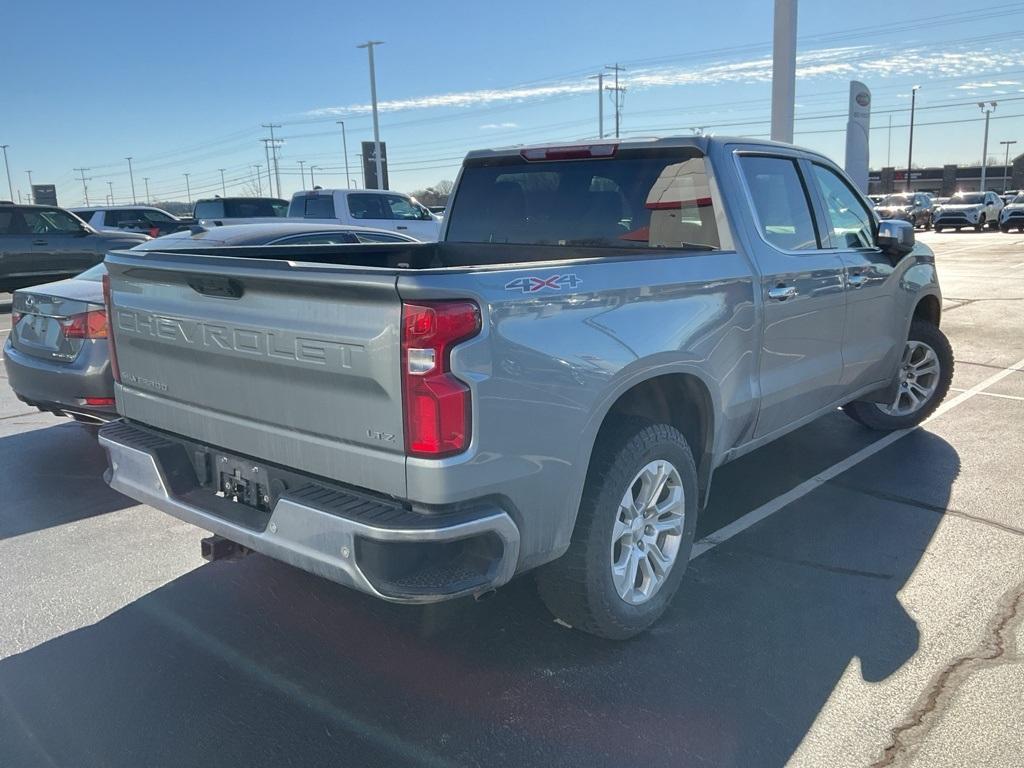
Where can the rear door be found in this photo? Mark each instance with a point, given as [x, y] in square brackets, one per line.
[872, 338]
[802, 292]
[286, 362]
[16, 257]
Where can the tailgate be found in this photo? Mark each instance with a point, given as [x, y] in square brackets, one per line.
[291, 363]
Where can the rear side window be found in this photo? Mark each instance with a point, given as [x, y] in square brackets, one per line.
[209, 209]
[254, 208]
[781, 202]
[369, 207]
[313, 207]
[634, 200]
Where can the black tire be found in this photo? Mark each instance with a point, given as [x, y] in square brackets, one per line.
[1004, 228]
[938, 228]
[981, 223]
[578, 587]
[870, 415]
[958, 229]
[994, 224]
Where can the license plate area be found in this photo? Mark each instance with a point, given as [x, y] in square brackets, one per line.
[242, 482]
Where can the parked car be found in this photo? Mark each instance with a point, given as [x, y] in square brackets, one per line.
[915, 207]
[39, 243]
[366, 207]
[56, 355]
[1009, 195]
[875, 199]
[1012, 215]
[134, 218]
[218, 211]
[969, 209]
[549, 387]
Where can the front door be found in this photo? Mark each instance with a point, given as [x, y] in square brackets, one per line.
[802, 294]
[873, 336]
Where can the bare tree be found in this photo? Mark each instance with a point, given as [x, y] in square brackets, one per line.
[436, 194]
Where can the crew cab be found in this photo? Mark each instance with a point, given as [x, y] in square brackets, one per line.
[382, 209]
[218, 211]
[143, 219]
[549, 388]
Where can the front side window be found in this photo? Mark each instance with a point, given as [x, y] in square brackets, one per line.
[368, 207]
[51, 221]
[209, 209]
[155, 217]
[402, 208]
[851, 224]
[635, 199]
[780, 202]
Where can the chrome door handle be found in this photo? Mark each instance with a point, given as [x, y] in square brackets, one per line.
[782, 292]
[856, 281]
[400, 227]
[40, 242]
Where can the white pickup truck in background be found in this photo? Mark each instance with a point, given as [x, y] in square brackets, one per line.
[377, 208]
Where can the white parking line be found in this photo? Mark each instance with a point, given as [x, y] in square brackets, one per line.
[991, 394]
[769, 508]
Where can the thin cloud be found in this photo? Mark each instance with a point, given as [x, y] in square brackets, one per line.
[496, 126]
[864, 62]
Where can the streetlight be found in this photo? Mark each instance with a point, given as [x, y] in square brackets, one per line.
[110, 186]
[362, 168]
[344, 150]
[31, 197]
[132, 179]
[223, 189]
[312, 183]
[10, 187]
[910, 149]
[302, 174]
[1006, 162]
[146, 180]
[987, 109]
[259, 178]
[373, 103]
[188, 189]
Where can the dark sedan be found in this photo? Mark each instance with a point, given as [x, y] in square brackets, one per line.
[913, 207]
[39, 243]
[56, 355]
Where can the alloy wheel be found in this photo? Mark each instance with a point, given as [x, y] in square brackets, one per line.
[919, 378]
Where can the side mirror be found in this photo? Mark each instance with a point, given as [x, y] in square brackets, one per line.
[895, 238]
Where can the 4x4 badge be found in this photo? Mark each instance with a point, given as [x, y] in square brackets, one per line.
[532, 284]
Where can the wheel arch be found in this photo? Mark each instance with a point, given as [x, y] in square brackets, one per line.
[929, 309]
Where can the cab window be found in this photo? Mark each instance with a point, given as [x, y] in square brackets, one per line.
[781, 202]
[851, 224]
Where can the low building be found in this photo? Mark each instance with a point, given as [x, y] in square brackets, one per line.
[944, 180]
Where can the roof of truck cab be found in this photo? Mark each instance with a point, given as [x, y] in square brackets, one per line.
[700, 142]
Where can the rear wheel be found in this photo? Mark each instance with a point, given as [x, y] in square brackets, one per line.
[633, 535]
[981, 223]
[1004, 228]
[938, 228]
[926, 371]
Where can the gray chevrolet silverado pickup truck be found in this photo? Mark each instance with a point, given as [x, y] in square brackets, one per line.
[549, 387]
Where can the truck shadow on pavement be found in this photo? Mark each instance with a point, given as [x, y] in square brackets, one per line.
[252, 663]
[51, 476]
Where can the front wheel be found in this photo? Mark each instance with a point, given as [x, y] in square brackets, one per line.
[938, 228]
[633, 535]
[1004, 228]
[981, 223]
[926, 371]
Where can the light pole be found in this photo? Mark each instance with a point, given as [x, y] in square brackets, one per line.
[145, 180]
[223, 189]
[302, 175]
[110, 186]
[783, 70]
[10, 187]
[910, 147]
[131, 178]
[344, 149]
[188, 189]
[362, 169]
[259, 178]
[373, 103]
[987, 109]
[312, 183]
[600, 103]
[1006, 162]
[31, 197]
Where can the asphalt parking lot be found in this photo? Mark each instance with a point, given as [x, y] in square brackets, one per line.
[857, 600]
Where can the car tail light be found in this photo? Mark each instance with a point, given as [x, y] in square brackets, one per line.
[437, 405]
[576, 152]
[114, 368]
[154, 231]
[87, 325]
[99, 401]
[15, 317]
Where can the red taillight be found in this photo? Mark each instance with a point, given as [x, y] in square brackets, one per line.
[15, 317]
[99, 401]
[87, 325]
[154, 231]
[114, 369]
[577, 152]
[437, 405]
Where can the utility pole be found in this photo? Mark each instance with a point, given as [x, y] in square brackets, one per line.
[259, 179]
[373, 102]
[131, 177]
[888, 152]
[145, 179]
[783, 70]
[987, 109]
[10, 187]
[223, 189]
[85, 189]
[110, 186]
[1006, 163]
[617, 91]
[31, 197]
[910, 146]
[273, 144]
[344, 149]
[600, 103]
[302, 174]
[362, 170]
[312, 183]
[188, 189]
[266, 151]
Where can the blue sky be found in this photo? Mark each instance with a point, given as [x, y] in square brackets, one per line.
[185, 87]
